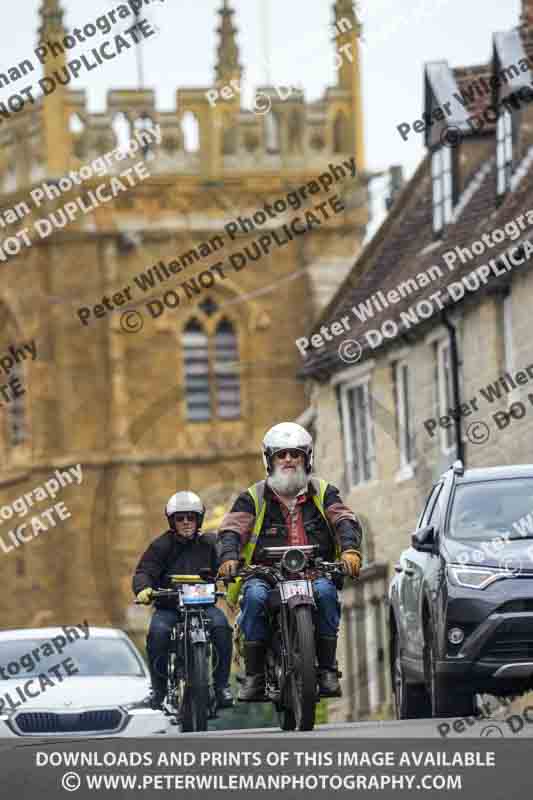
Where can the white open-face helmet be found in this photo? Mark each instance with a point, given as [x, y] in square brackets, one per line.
[287, 436]
[185, 501]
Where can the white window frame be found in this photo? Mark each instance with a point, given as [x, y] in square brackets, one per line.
[508, 344]
[507, 319]
[349, 449]
[504, 151]
[442, 187]
[404, 417]
[442, 401]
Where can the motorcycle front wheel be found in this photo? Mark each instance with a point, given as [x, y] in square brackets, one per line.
[303, 681]
[195, 711]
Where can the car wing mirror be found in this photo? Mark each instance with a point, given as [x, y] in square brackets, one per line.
[424, 540]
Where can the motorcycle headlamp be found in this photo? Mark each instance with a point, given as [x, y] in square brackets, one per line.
[294, 560]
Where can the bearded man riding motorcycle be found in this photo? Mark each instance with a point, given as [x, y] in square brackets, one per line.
[181, 550]
[289, 508]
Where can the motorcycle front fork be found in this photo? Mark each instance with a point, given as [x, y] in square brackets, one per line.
[277, 662]
[177, 677]
[278, 659]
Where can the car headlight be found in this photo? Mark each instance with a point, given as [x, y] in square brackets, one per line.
[475, 577]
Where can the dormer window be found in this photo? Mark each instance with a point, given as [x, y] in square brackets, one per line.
[442, 182]
[504, 151]
[512, 76]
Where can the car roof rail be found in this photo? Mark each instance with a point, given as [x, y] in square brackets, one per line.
[458, 467]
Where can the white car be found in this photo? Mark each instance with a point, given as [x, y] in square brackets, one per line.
[74, 681]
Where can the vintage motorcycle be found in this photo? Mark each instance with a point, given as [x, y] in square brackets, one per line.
[291, 663]
[190, 700]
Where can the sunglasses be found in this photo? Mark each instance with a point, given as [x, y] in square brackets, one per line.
[185, 517]
[282, 454]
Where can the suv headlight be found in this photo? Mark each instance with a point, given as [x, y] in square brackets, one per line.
[475, 577]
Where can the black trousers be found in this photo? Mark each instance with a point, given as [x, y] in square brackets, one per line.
[158, 643]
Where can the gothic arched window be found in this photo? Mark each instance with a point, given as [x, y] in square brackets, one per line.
[226, 371]
[196, 359]
[15, 409]
[211, 366]
[13, 400]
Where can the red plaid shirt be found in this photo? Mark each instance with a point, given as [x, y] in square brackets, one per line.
[294, 519]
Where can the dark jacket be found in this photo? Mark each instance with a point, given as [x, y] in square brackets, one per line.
[168, 555]
[237, 525]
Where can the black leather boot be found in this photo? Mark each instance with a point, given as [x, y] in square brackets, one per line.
[223, 643]
[328, 679]
[253, 686]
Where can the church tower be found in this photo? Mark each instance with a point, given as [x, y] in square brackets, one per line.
[184, 401]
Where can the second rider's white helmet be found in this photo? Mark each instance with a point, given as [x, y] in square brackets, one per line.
[287, 436]
[182, 502]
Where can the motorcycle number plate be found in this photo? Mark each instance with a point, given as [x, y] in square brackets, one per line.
[291, 588]
[197, 593]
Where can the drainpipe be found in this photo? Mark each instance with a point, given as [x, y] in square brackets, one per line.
[455, 385]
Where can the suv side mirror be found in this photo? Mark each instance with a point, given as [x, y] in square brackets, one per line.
[424, 540]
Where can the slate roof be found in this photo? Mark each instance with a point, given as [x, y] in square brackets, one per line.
[401, 247]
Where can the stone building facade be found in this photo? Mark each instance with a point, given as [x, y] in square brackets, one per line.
[183, 402]
[394, 408]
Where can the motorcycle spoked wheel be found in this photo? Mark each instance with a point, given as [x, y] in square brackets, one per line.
[172, 702]
[301, 694]
[195, 706]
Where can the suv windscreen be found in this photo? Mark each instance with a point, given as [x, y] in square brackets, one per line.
[490, 509]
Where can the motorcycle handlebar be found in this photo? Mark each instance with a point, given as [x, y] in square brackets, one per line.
[321, 566]
[157, 593]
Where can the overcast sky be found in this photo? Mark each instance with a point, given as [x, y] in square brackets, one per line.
[400, 36]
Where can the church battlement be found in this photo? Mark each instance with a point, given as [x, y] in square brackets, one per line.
[213, 141]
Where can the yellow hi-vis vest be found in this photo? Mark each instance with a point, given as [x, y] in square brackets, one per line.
[257, 492]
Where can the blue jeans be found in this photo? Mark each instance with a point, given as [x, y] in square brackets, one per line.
[158, 642]
[252, 619]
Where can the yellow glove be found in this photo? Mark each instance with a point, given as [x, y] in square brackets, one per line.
[352, 562]
[228, 569]
[145, 597]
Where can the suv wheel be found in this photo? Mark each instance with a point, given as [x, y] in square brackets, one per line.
[410, 701]
[445, 701]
